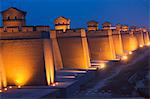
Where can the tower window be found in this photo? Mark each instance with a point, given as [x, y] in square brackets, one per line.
[22, 17]
[15, 18]
[8, 18]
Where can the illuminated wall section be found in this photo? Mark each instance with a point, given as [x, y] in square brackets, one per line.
[129, 41]
[101, 45]
[117, 43]
[140, 37]
[3, 82]
[56, 51]
[24, 62]
[146, 38]
[133, 42]
[73, 49]
[85, 49]
[125, 42]
[1, 86]
[112, 47]
[49, 65]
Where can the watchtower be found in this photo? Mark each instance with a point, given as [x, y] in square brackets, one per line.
[92, 25]
[106, 26]
[118, 27]
[13, 17]
[125, 28]
[62, 23]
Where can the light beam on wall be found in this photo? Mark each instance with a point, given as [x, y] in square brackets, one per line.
[49, 65]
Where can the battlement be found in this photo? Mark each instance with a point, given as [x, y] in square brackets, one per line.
[42, 28]
[24, 29]
[68, 33]
[21, 35]
[124, 32]
[70, 30]
[27, 29]
[137, 32]
[99, 33]
[115, 32]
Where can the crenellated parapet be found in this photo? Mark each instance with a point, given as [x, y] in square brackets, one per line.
[42, 28]
[12, 29]
[27, 29]
[71, 33]
[19, 35]
[115, 32]
[99, 33]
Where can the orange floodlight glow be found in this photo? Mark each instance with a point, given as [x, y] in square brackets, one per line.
[56, 83]
[19, 86]
[141, 46]
[124, 57]
[20, 79]
[5, 89]
[102, 65]
[10, 87]
[130, 53]
[148, 44]
[53, 84]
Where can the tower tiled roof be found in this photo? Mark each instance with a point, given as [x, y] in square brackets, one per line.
[106, 24]
[15, 9]
[92, 21]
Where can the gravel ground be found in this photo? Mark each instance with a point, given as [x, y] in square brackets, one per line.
[121, 79]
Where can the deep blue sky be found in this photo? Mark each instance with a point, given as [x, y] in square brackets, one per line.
[43, 12]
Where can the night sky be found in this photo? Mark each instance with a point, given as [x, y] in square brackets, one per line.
[43, 12]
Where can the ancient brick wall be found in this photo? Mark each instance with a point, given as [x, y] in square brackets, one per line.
[74, 51]
[23, 58]
[100, 45]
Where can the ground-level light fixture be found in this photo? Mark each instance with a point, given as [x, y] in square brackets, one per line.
[56, 83]
[53, 84]
[102, 65]
[10, 87]
[130, 53]
[141, 46]
[5, 89]
[148, 44]
[124, 57]
[19, 86]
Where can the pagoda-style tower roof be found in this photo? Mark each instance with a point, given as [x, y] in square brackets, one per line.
[13, 17]
[13, 8]
[92, 23]
[106, 24]
[61, 20]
